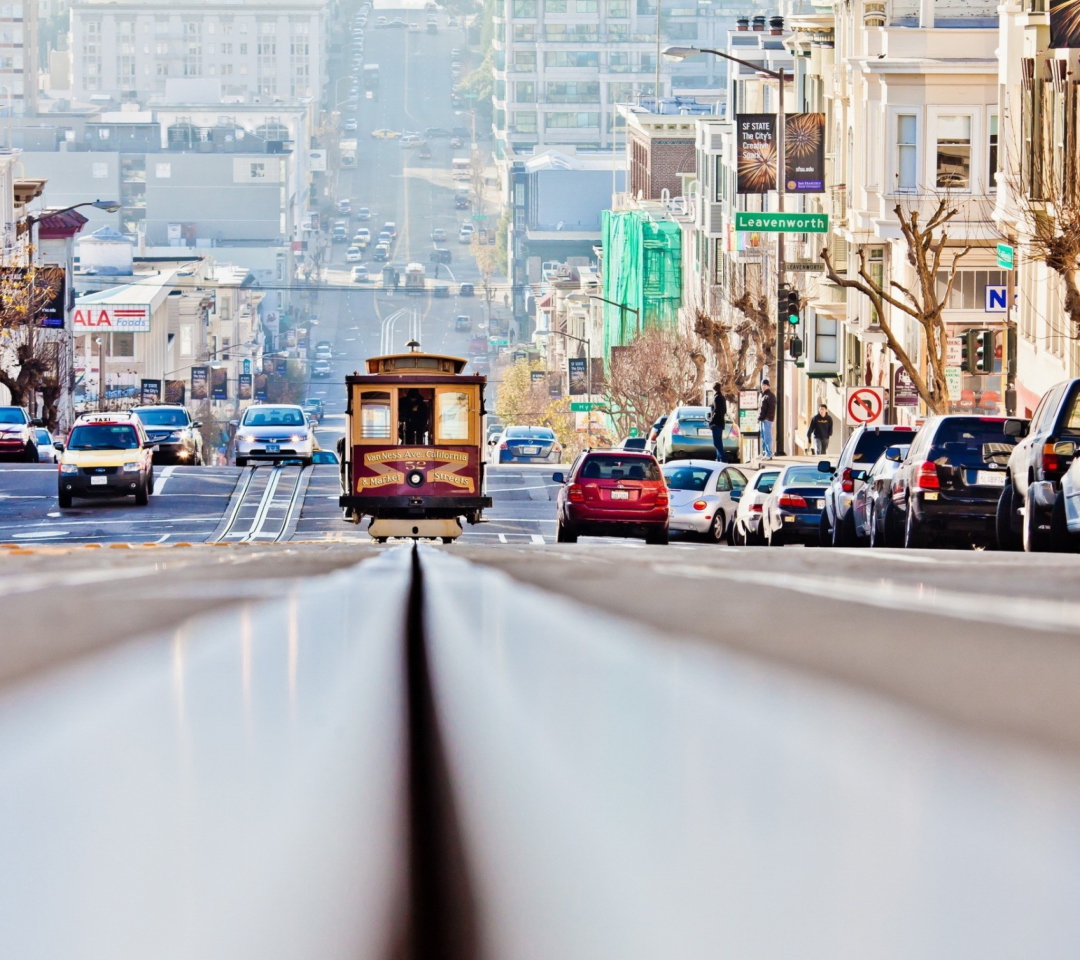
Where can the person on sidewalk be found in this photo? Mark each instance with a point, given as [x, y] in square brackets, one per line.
[766, 418]
[820, 431]
[717, 420]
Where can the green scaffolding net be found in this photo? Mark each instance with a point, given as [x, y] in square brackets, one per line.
[643, 272]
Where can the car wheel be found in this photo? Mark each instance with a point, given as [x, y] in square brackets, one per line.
[241, 462]
[142, 496]
[1007, 537]
[657, 537]
[717, 529]
[774, 538]
[1061, 541]
[1034, 539]
[30, 455]
[150, 482]
[824, 530]
[914, 534]
[875, 537]
[564, 534]
[849, 535]
[65, 501]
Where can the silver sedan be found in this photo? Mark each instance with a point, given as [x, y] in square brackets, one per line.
[704, 495]
[273, 432]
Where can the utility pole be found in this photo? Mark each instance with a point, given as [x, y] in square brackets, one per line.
[781, 332]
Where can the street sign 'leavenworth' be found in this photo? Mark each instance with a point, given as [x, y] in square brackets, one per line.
[746, 222]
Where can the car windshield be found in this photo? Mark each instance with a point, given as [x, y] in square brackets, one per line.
[608, 467]
[634, 443]
[971, 442]
[12, 415]
[873, 443]
[43, 436]
[104, 436]
[531, 433]
[765, 481]
[806, 477]
[163, 418]
[687, 478]
[693, 422]
[273, 417]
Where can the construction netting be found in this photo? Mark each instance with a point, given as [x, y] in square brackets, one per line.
[642, 271]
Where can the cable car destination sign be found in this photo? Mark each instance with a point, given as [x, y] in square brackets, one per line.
[748, 222]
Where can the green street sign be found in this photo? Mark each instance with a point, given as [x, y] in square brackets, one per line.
[500, 343]
[633, 431]
[479, 216]
[1006, 256]
[583, 407]
[747, 222]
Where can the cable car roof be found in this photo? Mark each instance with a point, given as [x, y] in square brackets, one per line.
[415, 362]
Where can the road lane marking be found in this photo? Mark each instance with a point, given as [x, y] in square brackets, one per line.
[1026, 612]
[45, 534]
[537, 538]
[502, 538]
[159, 482]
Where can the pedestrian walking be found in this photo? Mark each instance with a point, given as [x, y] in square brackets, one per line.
[766, 418]
[820, 431]
[717, 421]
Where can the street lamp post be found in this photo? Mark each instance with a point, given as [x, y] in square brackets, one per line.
[100, 341]
[677, 54]
[622, 310]
[588, 370]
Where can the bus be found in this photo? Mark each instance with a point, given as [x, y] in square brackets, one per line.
[461, 168]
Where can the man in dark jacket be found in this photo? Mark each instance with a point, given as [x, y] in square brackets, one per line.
[820, 430]
[717, 419]
[766, 418]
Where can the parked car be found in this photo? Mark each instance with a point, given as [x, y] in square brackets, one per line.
[519, 444]
[462, 323]
[791, 512]
[1042, 456]
[17, 435]
[631, 443]
[466, 290]
[703, 495]
[686, 433]
[948, 487]
[872, 507]
[48, 452]
[176, 437]
[614, 494]
[273, 432]
[861, 451]
[746, 528]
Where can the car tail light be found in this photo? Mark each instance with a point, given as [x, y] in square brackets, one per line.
[926, 476]
[675, 429]
[755, 508]
[662, 495]
[791, 500]
[503, 446]
[1051, 461]
[734, 431]
[700, 505]
[575, 493]
[847, 484]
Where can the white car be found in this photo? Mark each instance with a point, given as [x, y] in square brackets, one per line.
[350, 125]
[46, 452]
[273, 432]
[360, 274]
[746, 530]
[411, 140]
[354, 255]
[704, 495]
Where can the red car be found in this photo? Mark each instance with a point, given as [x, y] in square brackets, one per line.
[614, 494]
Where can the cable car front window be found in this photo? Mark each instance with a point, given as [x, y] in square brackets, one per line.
[375, 418]
[452, 415]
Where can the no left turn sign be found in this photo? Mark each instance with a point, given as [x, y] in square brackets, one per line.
[865, 405]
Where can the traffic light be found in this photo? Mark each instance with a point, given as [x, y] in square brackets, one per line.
[965, 351]
[787, 300]
[984, 351]
[795, 347]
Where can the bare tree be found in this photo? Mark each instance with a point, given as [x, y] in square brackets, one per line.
[745, 346]
[27, 355]
[656, 372]
[927, 250]
[488, 262]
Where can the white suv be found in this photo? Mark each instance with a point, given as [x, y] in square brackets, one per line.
[274, 432]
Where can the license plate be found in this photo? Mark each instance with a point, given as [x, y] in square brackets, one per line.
[819, 504]
[989, 478]
[530, 451]
[704, 433]
[98, 481]
[620, 494]
[273, 447]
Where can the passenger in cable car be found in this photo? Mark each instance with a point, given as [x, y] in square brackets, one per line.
[415, 418]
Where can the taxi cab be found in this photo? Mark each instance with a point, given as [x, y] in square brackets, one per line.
[106, 455]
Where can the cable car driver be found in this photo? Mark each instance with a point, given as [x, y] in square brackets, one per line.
[415, 417]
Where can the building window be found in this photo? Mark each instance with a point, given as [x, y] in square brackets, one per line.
[992, 154]
[969, 287]
[525, 121]
[585, 6]
[122, 346]
[618, 8]
[953, 152]
[577, 121]
[907, 168]
[258, 171]
[525, 9]
[525, 92]
[563, 91]
[571, 58]
[826, 340]
[187, 340]
[525, 61]
[524, 32]
[682, 31]
[554, 6]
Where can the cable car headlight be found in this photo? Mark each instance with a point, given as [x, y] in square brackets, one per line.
[415, 478]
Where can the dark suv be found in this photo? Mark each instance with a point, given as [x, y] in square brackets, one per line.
[1047, 445]
[175, 436]
[838, 526]
[949, 484]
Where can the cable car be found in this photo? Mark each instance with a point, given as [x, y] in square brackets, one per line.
[413, 452]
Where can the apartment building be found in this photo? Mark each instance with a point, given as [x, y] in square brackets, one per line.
[259, 50]
[18, 57]
[562, 66]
